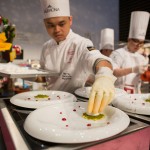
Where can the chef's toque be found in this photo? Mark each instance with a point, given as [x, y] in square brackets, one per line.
[55, 8]
[138, 24]
[107, 39]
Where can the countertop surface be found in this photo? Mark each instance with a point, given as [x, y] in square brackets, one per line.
[17, 116]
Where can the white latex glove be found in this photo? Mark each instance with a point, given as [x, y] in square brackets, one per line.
[139, 69]
[102, 92]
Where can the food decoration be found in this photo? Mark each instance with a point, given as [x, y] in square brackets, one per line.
[147, 100]
[17, 49]
[7, 35]
[94, 118]
[3, 44]
[133, 100]
[85, 116]
[41, 96]
[7, 28]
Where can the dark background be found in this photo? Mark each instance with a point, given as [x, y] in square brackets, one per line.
[125, 9]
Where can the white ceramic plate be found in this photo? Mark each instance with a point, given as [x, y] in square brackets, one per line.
[63, 123]
[28, 100]
[85, 92]
[134, 103]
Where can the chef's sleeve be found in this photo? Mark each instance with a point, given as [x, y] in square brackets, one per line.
[89, 58]
[117, 60]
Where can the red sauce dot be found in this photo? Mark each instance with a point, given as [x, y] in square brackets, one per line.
[74, 110]
[66, 125]
[64, 119]
[60, 112]
[88, 124]
[58, 96]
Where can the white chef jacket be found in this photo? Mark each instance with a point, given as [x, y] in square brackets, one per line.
[122, 58]
[71, 59]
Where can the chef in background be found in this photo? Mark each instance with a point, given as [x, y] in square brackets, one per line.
[74, 58]
[107, 41]
[106, 48]
[129, 64]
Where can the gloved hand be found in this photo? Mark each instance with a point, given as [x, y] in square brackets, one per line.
[102, 92]
[139, 69]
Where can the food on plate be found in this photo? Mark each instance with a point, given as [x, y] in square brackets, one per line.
[42, 97]
[90, 117]
[147, 100]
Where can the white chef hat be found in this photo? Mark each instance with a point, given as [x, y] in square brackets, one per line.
[55, 8]
[107, 39]
[138, 24]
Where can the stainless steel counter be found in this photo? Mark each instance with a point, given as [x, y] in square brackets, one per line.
[143, 118]
[43, 73]
[15, 119]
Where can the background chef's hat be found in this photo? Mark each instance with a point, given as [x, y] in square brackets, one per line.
[55, 8]
[107, 39]
[138, 24]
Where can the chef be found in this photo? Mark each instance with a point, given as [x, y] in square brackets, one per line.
[106, 48]
[107, 41]
[129, 64]
[74, 57]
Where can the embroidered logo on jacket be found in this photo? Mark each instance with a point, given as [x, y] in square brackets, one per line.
[51, 9]
[70, 55]
[90, 48]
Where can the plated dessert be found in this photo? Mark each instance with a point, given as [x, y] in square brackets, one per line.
[67, 123]
[134, 103]
[37, 99]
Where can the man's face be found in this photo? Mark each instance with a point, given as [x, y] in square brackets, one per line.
[106, 52]
[134, 45]
[58, 27]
